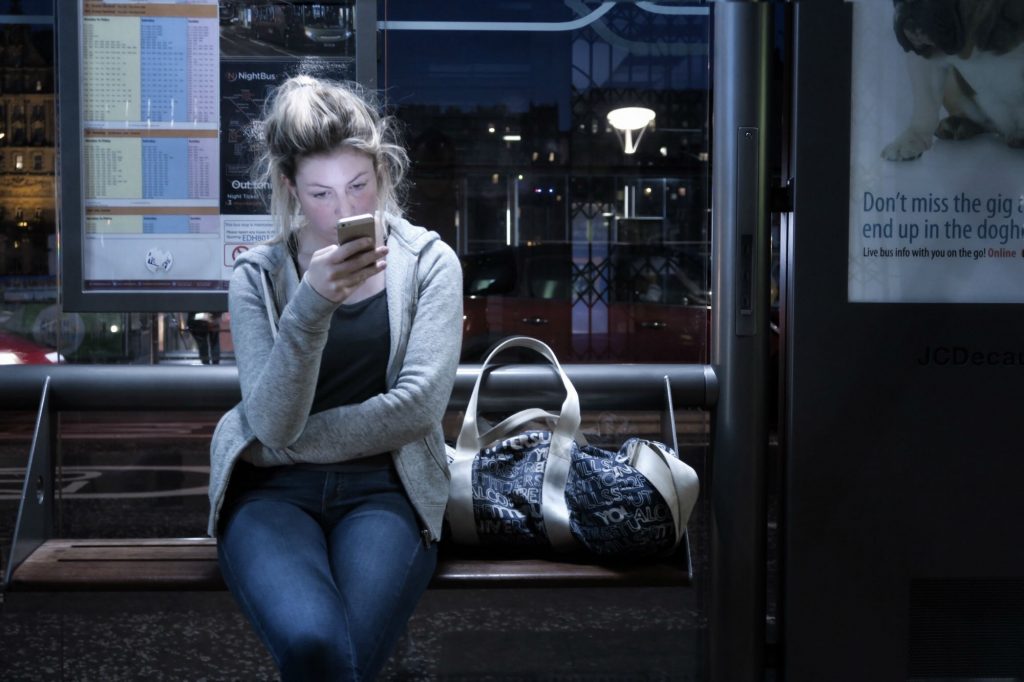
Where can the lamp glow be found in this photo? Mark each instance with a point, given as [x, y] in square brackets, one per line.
[630, 120]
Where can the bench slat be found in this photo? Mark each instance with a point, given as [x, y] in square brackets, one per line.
[191, 564]
[112, 565]
[493, 573]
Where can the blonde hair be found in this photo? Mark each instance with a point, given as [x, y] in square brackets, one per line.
[305, 116]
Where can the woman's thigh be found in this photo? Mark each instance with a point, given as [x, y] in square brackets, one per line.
[273, 555]
[380, 563]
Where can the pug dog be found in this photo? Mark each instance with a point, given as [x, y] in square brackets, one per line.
[966, 56]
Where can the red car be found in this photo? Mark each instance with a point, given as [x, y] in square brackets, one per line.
[17, 350]
[633, 303]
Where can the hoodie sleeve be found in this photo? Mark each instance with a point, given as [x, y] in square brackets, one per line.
[416, 403]
[277, 375]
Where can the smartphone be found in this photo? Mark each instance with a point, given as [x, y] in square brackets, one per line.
[357, 226]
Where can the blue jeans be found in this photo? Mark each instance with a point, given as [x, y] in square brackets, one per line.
[327, 566]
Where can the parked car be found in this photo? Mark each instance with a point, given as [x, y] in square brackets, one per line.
[635, 303]
[17, 350]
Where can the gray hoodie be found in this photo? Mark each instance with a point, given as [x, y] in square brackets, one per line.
[279, 325]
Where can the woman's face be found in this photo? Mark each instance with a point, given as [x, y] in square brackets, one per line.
[335, 185]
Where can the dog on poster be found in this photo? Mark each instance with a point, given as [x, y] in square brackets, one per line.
[967, 57]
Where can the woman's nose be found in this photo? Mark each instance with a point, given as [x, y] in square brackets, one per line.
[343, 208]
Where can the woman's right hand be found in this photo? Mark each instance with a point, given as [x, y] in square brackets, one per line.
[335, 272]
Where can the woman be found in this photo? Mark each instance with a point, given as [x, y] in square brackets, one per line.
[346, 358]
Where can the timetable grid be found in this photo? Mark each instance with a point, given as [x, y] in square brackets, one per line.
[164, 70]
[151, 72]
[151, 148]
[112, 69]
[204, 61]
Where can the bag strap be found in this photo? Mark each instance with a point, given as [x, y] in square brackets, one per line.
[674, 480]
[556, 471]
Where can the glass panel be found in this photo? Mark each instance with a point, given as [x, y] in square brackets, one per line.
[564, 236]
[487, 210]
[31, 327]
[505, 161]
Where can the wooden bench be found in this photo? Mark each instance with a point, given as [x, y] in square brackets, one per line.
[40, 562]
[191, 564]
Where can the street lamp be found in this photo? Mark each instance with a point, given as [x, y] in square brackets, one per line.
[626, 121]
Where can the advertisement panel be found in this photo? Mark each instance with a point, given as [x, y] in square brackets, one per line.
[937, 165]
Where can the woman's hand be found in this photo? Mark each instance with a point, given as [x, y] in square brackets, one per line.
[336, 271]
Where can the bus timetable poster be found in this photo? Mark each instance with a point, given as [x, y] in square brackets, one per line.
[937, 160]
[167, 92]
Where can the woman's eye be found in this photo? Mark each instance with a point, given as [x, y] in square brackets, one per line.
[357, 187]
[319, 195]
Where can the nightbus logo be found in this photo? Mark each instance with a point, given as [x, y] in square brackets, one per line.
[961, 356]
[233, 76]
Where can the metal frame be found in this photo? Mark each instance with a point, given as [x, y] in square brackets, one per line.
[740, 248]
[36, 511]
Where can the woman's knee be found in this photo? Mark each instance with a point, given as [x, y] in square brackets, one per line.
[315, 654]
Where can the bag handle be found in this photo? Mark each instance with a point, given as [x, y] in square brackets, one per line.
[470, 442]
[516, 422]
[556, 470]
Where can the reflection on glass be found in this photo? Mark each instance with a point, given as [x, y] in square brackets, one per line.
[563, 236]
[32, 329]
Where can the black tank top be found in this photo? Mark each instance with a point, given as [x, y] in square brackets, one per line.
[354, 365]
[355, 357]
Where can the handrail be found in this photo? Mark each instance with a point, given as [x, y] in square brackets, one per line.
[162, 387]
